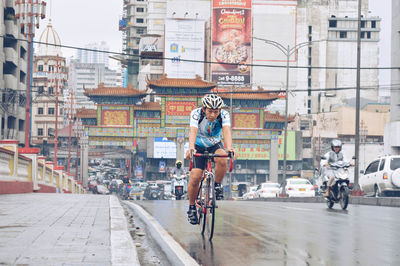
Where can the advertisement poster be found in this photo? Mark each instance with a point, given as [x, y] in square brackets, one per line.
[231, 42]
[184, 39]
[161, 167]
[164, 148]
[139, 171]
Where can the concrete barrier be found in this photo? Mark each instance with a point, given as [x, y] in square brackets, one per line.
[22, 170]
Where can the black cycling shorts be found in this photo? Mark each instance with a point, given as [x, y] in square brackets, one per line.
[200, 162]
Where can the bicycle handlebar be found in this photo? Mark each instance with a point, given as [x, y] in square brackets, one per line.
[212, 155]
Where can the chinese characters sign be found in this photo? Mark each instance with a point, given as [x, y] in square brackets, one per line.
[231, 42]
[178, 112]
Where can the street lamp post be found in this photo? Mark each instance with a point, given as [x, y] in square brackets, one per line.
[288, 51]
[30, 12]
[70, 114]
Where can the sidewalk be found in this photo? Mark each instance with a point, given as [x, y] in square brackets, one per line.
[64, 229]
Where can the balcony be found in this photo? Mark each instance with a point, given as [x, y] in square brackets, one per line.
[11, 55]
[23, 65]
[10, 81]
[40, 75]
[11, 28]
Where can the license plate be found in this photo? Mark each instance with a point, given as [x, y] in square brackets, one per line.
[302, 189]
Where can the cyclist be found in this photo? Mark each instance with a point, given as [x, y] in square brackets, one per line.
[207, 124]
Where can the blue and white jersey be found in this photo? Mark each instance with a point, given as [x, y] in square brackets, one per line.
[209, 133]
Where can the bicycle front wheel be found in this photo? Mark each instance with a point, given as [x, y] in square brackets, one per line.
[202, 210]
[210, 214]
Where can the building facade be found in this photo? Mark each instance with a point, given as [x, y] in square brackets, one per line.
[392, 129]
[13, 73]
[91, 56]
[49, 82]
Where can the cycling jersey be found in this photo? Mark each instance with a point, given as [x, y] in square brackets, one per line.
[209, 133]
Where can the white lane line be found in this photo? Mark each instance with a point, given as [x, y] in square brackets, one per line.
[298, 209]
[174, 247]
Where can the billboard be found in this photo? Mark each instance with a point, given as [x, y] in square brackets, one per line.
[231, 42]
[184, 39]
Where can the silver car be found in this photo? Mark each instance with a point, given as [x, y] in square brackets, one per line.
[382, 176]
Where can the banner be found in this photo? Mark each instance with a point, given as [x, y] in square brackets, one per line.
[139, 171]
[161, 167]
[184, 39]
[231, 42]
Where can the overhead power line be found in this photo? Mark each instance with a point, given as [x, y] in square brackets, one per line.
[203, 61]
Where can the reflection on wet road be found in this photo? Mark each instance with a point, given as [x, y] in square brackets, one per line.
[271, 233]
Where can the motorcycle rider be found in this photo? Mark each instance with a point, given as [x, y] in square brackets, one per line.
[335, 155]
[178, 171]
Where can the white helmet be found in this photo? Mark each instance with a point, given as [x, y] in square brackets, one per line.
[212, 101]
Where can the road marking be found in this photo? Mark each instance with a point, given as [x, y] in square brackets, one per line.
[162, 234]
[298, 209]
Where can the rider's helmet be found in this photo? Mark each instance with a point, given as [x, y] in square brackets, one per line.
[336, 143]
[212, 101]
[178, 164]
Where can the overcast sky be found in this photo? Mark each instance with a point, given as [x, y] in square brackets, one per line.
[80, 22]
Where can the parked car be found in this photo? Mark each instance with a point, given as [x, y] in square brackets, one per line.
[250, 193]
[101, 189]
[382, 176]
[267, 190]
[298, 187]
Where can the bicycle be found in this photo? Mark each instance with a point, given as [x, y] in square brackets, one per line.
[205, 200]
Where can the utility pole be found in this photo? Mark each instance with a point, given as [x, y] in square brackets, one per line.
[356, 189]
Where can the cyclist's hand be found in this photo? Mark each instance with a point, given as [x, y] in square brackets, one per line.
[233, 150]
[188, 153]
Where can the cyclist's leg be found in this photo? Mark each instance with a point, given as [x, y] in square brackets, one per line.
[221, 164]
[193, 186]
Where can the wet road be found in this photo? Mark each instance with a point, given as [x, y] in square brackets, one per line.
[271, 233]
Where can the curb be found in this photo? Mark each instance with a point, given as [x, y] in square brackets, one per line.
[123, 252]
[387, 201]
[174, 252]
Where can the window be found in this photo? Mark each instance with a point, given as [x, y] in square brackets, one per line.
[51, 90]
[343, 34]
[332, 23]
[40, 67]
[362, 34]
[304, 125]
[362, 24]
[40, 111]
[309, 29]
[309, 82]
[373, 24]
[51, 111]
[394, 163]
[372, 168]
[139, 20]
[41, 89]
[51, 68]
[139, 9]
[368, 35]
[382, 165]
[140, 31]
[40, 131]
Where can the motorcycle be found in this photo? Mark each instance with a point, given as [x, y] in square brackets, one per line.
[339, 192]
[179, 187]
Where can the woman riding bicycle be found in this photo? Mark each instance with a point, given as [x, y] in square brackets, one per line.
[206, 125]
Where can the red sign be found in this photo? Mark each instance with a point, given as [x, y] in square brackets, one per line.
[231, 42]
[179, 108]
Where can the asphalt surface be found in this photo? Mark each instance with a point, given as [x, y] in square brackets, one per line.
[281, 233]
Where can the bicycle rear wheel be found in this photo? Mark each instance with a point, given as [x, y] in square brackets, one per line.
[210, 214]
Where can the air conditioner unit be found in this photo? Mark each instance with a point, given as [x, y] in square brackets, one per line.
[238, 166]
